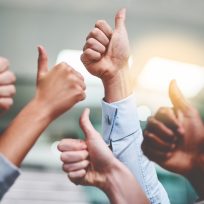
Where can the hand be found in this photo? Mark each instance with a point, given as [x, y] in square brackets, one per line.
[91, 162]
[106, 55]
[106, 52]
[176, 141]
[7, 87]
[58, 89]
[87, 162]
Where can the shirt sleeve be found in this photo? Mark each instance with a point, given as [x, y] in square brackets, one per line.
[122, 131]
[8, 174]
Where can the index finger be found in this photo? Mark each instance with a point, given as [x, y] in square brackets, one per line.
[71, 145]
[104, 27]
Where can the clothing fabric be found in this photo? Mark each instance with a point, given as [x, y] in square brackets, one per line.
[8, 175]
[122, 131]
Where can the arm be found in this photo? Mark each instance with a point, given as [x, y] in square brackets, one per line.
[123, 132]
[121, 128]
[99, 167]
[8, 174]
[175, 139]
[24, 130]
[57, 91]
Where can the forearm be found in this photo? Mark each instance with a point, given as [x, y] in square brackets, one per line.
[23, 132]
[124, 133]
[195, 177]
[121, 190]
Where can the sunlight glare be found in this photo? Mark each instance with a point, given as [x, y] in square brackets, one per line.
[158, 72]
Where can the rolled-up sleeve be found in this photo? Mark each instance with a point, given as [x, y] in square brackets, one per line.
[8, 174]
[122, 131]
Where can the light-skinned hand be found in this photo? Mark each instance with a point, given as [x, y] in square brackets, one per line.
[105, 55]
[58, 89]
[7, 87]
[91, 162]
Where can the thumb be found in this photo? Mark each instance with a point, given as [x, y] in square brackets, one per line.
[42, 61]
[120, 18]
[86, 125]
[177, 98]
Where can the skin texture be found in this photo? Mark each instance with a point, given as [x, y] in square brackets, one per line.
[57, 90]
[174, 138]
[7, 87]
[91, 162]
[105, 55]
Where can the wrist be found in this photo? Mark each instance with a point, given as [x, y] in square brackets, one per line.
[117, 87]
[110, 183]
[23, 131]
[42, 110]
[121, 190]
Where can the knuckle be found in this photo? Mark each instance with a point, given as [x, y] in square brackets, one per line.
[100, 23]
[84, 164]
[63, 156]
[162, 110]
[87, 52]
[80, 95]
[7, 106]
[9, 103]
[83, 96]
[90, 42]
[62, 142]
[83, 156]
[64, 66]
[150, 119]
[13, 90]
[95, 32]
[4, 61]
[11, 76]
[64, 168]
[82, 57]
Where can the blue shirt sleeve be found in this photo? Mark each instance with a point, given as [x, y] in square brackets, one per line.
[121, 130]
[8, 174]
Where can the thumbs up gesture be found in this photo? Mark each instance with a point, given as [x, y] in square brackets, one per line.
[86, 162]
[174, 138]
[91, 162]
[57, 89]
[106, 52]
[105, 55]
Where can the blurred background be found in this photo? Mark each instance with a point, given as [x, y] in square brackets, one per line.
[167, 43]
